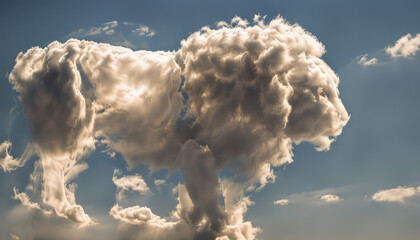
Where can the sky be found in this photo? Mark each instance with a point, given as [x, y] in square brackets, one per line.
[209, 120]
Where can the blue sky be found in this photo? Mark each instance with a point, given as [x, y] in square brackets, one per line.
[377, 149]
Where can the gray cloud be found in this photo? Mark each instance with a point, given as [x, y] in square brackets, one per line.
[199, 172]
[251, 92]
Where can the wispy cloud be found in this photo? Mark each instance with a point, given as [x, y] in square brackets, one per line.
[330, 198]
[126, 34]
[282, 202]
[106, 28]
[365, 62]
[142, 30]
[319, 197]
[405, 46]
[9, 163]
[399, 194]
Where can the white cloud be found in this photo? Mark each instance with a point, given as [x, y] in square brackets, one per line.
[130, 183]
[7, 162]
[253, 91]
[138, 215]
[282, 202]
[399, 194]
[406, 46]
[365, 62]
[331, 198]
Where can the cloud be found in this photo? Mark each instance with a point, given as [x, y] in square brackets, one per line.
[331, 198]
[7, 162]
[365, 62]
[130, 183]
[24, 199]
[14, 237]
[250, 91]
[319, 197]
[143, 30]
[199, 172]
[282, 202]
[138, 215]
[126, 34]
[399, 194]
[32, 223]
[159, 182]
[406, 46]
[106, 28]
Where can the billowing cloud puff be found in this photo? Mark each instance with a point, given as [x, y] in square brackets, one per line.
[399, 194]
[130, 183]
[235, 97]
[406, 46]
[331, 198]
[282, 202]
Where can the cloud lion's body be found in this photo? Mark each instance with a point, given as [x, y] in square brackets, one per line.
[249, 93]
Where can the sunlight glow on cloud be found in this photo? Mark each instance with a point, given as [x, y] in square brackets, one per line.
[399, 194]
[253, 90]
